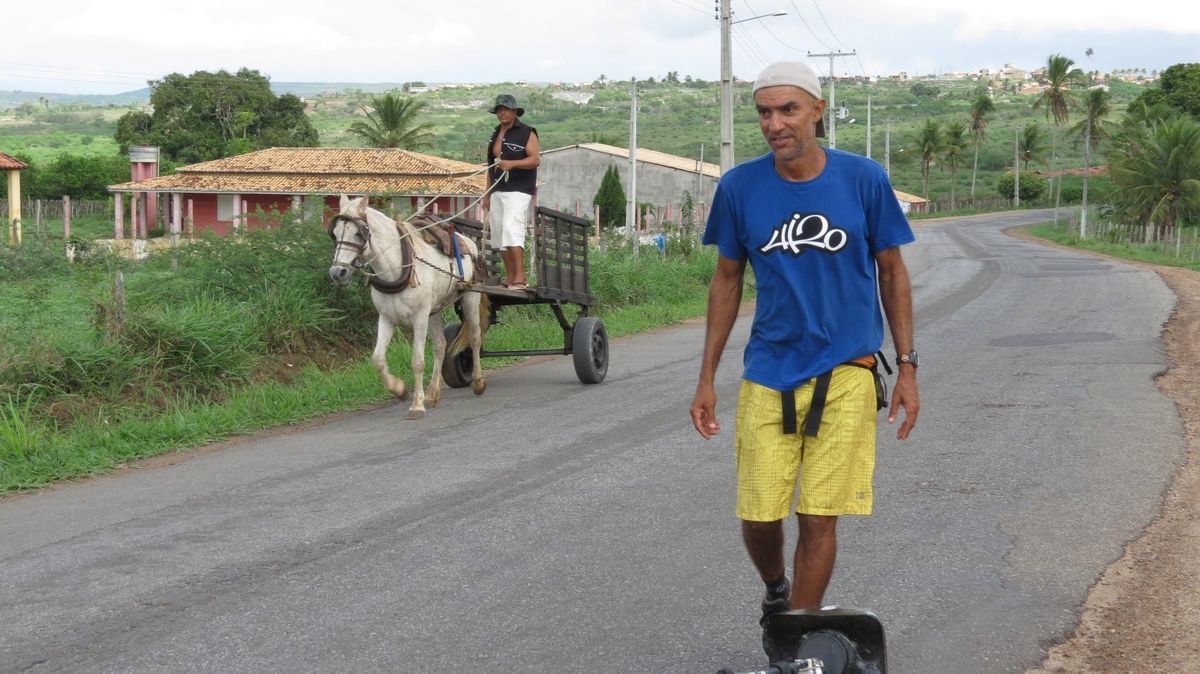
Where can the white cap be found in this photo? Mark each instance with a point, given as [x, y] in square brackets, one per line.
[793, 74]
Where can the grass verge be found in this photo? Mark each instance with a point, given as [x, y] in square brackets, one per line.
[201, 372]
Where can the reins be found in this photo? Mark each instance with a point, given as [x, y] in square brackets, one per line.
[405, 228]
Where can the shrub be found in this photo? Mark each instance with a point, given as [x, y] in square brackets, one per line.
[1033, 186]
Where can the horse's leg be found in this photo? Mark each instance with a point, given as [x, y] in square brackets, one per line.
[471, 322]
[438, 336]
[383, 338]
[419, 327]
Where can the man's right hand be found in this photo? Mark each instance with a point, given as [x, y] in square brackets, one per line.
[704, 411]
[487, 202]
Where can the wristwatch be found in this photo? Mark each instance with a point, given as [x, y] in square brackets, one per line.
[909, 358]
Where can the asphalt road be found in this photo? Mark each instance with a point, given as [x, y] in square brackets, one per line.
[551, 526]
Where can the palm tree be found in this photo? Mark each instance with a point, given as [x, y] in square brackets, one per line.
[929, 144]
[1056, 98]
[1031, 147]
[1157, 172]
[981, 107]
[1098, 103]
[392, 123]
[954, 141]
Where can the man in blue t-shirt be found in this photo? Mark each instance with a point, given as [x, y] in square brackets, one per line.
[822, 230]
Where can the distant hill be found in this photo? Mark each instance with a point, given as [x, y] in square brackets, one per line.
[11, 99]
[310, 89]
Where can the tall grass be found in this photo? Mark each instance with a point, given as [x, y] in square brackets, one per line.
[227, 336]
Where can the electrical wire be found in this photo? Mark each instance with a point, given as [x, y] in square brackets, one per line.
[807, 27]
[768, 29]
[690, 6]
[822, 15]
[748, 45]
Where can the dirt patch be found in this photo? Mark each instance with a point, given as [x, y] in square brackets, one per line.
[1143, 615]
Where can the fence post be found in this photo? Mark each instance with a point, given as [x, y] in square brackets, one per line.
[118, 216]
[190, 223]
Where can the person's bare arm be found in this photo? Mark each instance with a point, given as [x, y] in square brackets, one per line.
[895, 291]
[724, 299]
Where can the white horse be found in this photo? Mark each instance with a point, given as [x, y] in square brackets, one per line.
[411, 281]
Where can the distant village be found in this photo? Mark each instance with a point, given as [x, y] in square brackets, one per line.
[1026, 81]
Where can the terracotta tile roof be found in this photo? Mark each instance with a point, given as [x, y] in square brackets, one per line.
[322, 170]
[910, 198]
[647, 156]
[8, 163]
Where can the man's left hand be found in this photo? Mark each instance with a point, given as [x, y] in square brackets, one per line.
[904, 394]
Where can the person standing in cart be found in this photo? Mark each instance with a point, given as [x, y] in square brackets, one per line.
[508, 200]
[822, 230]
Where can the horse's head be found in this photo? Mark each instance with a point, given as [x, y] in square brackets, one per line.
[351, 236]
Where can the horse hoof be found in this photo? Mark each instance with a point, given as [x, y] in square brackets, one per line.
[479, 387]
[416, 414]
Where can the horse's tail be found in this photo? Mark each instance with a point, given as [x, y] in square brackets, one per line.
[463, 340]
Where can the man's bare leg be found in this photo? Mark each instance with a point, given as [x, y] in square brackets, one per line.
[764, 542]
[816, 551]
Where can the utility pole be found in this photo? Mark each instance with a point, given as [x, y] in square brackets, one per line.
[726, 14]
[887, 148]
[631, 211]
[1016, 168]
[832, 126]
[868, 126]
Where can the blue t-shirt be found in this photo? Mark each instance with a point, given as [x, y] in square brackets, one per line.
[811, 245]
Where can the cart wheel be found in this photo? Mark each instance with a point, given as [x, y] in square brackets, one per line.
[589, 346]
[456, 371]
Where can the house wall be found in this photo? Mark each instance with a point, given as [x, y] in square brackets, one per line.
[572, 176]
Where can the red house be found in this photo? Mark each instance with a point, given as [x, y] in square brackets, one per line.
[225, 195]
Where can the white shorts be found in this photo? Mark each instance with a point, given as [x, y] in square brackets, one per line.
[508, 218]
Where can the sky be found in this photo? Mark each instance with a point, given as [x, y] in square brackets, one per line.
[88, 47]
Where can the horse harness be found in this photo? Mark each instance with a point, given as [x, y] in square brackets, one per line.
[407, 255]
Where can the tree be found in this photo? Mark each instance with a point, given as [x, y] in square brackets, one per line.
[1031, 147]
[1097, 104]
[392, 123]
[1179, 87]
[207, 115]
[929, 146]
[611, 198]
[1057, 100]
[76, 176]
[1156, 170]
[954, 141]
[981, 107]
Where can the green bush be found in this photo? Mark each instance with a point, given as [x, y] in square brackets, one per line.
[1033, 186]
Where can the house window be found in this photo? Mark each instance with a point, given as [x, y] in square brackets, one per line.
[225, 207]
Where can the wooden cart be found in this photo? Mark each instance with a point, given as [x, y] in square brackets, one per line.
[560, 256]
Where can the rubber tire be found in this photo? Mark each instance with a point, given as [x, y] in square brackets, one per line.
[589, 347]
[457, 371]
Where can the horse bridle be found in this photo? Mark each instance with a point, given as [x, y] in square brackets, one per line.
[364, 230]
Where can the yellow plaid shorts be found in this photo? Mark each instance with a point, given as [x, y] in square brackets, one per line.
[834, 469]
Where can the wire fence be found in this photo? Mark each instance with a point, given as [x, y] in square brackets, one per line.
[39, 210]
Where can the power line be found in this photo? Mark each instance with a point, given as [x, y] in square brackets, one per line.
[822, 15]
[694, 8]
[807, 27]
[766, 28]
[748, 45]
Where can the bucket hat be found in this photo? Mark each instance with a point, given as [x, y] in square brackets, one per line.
[507, 101]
